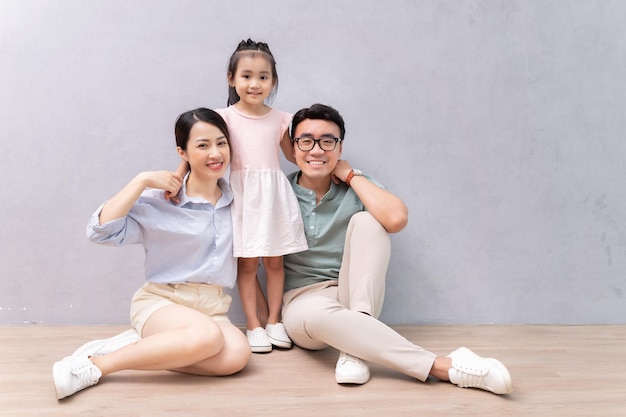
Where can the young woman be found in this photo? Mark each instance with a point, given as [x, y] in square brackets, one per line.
[180, 312]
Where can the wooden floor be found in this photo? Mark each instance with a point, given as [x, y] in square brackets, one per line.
[557, 371]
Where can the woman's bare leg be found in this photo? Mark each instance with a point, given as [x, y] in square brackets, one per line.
[177, 338]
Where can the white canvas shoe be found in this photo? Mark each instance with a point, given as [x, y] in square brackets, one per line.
[351, 370]
[278, 335]
[472, 371]
[74, 373]
[105, 346]
[258, 340]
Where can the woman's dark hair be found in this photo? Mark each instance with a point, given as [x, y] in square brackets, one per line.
[185, 122]
[319, 112]
[250, 48]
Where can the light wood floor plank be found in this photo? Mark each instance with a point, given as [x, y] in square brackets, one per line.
[557, 371]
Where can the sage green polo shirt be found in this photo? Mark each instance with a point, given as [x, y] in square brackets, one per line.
[325, 226]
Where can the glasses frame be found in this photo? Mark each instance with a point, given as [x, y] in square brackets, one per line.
[317, 142]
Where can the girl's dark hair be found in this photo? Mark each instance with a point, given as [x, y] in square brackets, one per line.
[318, 112]
[185, 122]
[252, 49]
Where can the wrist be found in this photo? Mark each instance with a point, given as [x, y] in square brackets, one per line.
[352, 174]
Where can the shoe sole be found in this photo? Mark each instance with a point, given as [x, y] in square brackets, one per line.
[508, 382]
[57, 374]
[89, 347]
[279, 343]
[261, 349]
[351, 380]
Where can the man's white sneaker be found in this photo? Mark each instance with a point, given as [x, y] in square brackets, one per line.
[472, 371]
[278, 335]
[258, 340]
[73, 374]
[351, 370]
[105, 346]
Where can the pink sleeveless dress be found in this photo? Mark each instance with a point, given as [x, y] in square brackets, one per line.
[265, 211]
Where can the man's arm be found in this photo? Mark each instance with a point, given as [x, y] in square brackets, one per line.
[386, 207]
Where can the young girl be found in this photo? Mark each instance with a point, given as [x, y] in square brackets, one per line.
[266, 216]
[180, 312]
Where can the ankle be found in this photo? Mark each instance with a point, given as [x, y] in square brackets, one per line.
[441, 368]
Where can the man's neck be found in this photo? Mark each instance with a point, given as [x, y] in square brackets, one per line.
[318, 185]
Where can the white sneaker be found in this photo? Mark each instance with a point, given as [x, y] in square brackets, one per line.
[472, 371]
[278, 335]
[73, 374]
[351, 370]
[105, 346]
[258, 340]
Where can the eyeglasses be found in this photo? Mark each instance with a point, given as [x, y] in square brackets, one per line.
[307, 143]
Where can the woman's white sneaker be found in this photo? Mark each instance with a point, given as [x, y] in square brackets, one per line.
[351, 370]
[105, 346]
[74, 373]
[472, 371]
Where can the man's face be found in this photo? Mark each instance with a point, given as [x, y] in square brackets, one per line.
[317, 164]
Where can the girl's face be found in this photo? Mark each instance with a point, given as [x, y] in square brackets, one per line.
[208, 151]
[252, 80]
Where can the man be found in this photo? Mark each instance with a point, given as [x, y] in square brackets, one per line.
[334, 291]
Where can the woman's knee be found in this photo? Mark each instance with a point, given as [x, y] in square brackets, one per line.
[238, 358]
[236, 353]
[206, 339]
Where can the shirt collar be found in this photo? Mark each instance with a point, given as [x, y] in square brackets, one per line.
[225, 199]
[305, 191]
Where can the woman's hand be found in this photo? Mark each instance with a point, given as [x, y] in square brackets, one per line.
[121, 203]
[167, 181]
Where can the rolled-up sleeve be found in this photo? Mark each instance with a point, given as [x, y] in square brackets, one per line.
[118, 232]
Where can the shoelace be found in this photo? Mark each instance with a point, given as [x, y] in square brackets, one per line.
[471, 377]
[86, 375]
[344, 358]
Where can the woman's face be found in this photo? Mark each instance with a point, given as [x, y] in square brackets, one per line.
[208, 151]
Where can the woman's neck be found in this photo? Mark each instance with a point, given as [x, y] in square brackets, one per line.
[203, 188]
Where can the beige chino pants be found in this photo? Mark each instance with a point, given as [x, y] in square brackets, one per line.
[344, 313]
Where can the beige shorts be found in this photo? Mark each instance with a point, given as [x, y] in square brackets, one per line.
[205, 298]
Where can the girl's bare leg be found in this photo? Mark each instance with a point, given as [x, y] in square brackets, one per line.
[247, 284]
[275, 285]
[261, 304]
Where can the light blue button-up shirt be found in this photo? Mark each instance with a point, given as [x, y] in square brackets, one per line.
[191, 241]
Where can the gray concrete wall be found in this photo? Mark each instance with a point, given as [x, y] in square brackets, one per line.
[500, 123]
